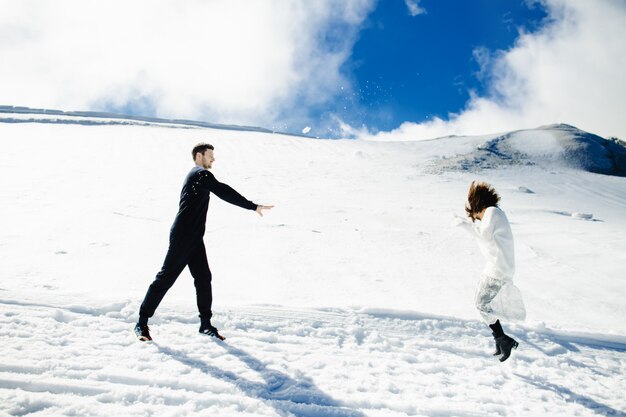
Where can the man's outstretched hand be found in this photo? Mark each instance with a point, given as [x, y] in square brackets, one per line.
[259, 209]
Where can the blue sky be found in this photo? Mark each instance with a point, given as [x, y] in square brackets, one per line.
[411, 68]
[393, 69]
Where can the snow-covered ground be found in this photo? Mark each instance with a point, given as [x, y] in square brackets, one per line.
[352, 297]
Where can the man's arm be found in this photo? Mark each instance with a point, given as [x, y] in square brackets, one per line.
[224, 191]
[228, 194]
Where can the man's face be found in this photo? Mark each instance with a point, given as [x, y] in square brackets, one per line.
[207, 159]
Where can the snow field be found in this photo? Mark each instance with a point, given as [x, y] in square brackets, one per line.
[352, 297]
[279, 361]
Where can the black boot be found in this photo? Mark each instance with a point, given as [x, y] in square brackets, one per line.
[497, 332]
[505, 344]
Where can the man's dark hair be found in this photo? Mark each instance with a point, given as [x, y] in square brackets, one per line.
[480, 196]
[201, 148]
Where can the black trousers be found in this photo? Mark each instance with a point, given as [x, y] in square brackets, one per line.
[179, 255]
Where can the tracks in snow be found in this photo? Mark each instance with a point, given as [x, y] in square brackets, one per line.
[62, 360]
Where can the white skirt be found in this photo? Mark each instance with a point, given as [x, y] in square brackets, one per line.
[499, 299]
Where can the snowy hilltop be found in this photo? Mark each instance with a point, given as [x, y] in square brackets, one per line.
[353, 297]
[578, 149]
[551, 147]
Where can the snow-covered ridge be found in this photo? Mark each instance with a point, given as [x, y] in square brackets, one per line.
[552, 146]
[16, 114]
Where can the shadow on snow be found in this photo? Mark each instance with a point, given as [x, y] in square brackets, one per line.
[300, 397]
[571, 397]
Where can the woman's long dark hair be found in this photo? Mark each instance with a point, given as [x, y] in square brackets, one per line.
[480, 196]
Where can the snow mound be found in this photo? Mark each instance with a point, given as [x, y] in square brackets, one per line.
[582, 216]
[550, 146]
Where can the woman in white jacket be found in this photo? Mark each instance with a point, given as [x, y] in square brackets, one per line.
[496, 296]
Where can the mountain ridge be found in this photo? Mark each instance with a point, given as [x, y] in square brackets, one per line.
[559, 144]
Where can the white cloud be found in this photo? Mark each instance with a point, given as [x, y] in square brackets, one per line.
[571, 71]
[230, 61]
[414, 7]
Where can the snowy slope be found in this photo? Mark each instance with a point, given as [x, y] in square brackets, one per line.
[353, 297]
